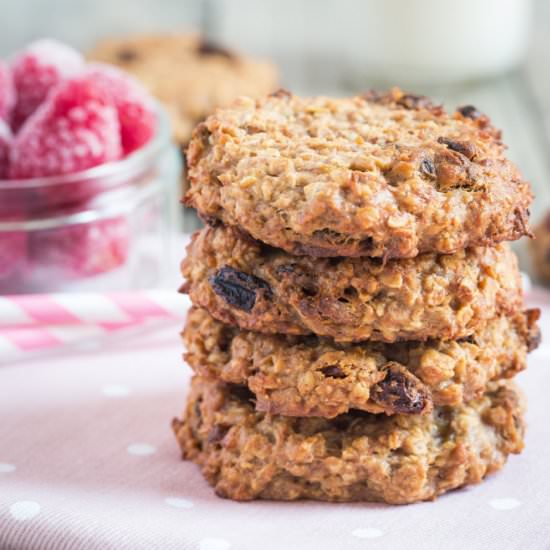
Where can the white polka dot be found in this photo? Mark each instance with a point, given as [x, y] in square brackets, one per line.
[214, 544]
[114, 390]
[367, 533]
[25, 509]
[504, 503]
[179, 502]
[6, 468]
[141, 449]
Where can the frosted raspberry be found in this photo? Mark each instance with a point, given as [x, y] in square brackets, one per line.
[5, 144]
[13, 253]
[136, 110]
[36, 70]
[74, 129]
[82, 250]
[7, 92]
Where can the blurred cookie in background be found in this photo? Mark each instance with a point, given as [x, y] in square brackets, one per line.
[189, 75]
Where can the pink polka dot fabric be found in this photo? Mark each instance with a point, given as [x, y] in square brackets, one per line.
[88, 461]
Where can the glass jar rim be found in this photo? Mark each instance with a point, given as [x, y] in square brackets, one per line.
[131, 165]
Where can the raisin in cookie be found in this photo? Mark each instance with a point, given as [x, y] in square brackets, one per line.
[190, 76]
[358, 456]
[309, 376]
[383, 175]
[240, 281]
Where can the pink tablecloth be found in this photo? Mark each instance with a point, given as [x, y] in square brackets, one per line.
[88, 460]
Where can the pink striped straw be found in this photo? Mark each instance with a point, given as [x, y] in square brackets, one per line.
[32, 323]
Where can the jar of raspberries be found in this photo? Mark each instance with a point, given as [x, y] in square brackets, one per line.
[87, 171]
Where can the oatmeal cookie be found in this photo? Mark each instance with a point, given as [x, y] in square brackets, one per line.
[241, 281]
[380, 175]
[358, 456]
[189, 75]
[309, 376]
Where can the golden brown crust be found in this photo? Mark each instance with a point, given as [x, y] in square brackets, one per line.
[308, 376]
[355, 457]
[431, 296]
[381, 175]
[189, 76]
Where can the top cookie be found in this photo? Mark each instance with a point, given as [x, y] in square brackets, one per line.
[383, 175]
[188, 74]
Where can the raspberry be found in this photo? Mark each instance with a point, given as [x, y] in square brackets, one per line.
[135, 107]
[7, 92]
[5, 144]
[13, 254]
[74, 129]
[82, 250]
[36, 70]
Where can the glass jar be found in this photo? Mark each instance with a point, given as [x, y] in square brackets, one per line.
[443, 41]
[106, 228]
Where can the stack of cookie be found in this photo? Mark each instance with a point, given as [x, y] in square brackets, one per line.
[356, 310]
